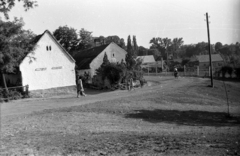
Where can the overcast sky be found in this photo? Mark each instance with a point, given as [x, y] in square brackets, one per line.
[144, 18]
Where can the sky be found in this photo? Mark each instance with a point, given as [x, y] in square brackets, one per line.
[143, 18]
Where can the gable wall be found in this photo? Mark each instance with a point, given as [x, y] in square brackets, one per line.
[49, 69]
[110, 50]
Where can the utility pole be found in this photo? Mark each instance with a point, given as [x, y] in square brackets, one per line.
[209, 50]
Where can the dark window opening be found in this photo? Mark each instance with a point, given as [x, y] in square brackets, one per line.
[113, 55]
[47, 48]
[50, 48]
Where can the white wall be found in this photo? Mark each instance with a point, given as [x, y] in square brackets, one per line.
[49, 69]
[118, 52]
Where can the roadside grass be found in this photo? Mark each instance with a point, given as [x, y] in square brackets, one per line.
[160, 121]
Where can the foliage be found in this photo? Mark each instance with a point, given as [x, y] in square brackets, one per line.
[162, 45]
[130, 57]
[11, 95]
[225, 70]
[135, 46]
[218, 46]
[86, 39]
[237, 72]
[176, 44]
[185, 61]
[7, 5]
[15, 43]
[67, 37]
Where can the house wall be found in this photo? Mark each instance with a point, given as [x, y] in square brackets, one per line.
[215, 65]
[114, 53]
[44, 69]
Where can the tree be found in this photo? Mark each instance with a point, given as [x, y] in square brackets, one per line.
[218, 46]
[135, 46]
[15, 43]
[7, 5]
[130, 55]
[67, 37]
[162, 44]
[176, 44]
[86, 39]
[105, 60]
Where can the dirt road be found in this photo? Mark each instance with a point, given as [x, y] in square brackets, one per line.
[30, 105]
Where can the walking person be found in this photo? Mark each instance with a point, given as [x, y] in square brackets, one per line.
[80, 89]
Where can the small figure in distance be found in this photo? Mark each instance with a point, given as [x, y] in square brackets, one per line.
[80, 89]
[175, 72]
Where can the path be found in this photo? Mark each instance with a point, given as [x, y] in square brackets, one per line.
[30, 105]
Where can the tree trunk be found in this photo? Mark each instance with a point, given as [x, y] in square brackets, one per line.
[4, 83]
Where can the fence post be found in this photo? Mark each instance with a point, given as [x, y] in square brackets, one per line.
[197, 70]
[184, 70]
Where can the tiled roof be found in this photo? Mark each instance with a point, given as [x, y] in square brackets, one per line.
[205, 58]
[147, 58]
[84, 58]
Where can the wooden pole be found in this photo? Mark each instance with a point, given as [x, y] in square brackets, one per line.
[209, 50]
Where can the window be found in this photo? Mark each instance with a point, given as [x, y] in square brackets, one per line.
[50, 48]
[47, 48]
[40, 69]
[113, 55]
[59, 67]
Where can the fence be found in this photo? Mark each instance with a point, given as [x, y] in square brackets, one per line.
[12, 93]
[187, 71]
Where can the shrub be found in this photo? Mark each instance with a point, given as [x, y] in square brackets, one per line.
[226, 69]
[11, 95]
[237, 72]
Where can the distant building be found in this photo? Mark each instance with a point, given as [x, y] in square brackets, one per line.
[89, 60]
[217, 61]
[147, 59]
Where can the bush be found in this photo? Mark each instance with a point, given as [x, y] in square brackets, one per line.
[226, 69]
[237, 72]
[11, 95]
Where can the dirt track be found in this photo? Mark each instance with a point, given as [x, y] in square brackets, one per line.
[170, 117]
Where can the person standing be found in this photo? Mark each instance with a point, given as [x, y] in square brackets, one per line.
[80, 89]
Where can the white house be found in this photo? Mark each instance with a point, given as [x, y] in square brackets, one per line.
[48, 66]
[91, 59]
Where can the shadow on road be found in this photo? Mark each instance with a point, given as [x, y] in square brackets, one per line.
[191, 118]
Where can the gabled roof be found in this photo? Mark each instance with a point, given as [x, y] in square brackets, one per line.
[205, 58]
[38, 38]
[84, 58]
[147, 58]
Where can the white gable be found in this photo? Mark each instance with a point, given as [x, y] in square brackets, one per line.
[48, 66]
[114, 53]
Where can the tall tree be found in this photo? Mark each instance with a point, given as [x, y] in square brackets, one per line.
[135, 46]
[130, 58]
[176, 44]
[67, 37]
[15, 43]
[7, 5]
[162, 44]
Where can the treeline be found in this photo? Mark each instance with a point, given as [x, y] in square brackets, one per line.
[74, 40]
[175, 49]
